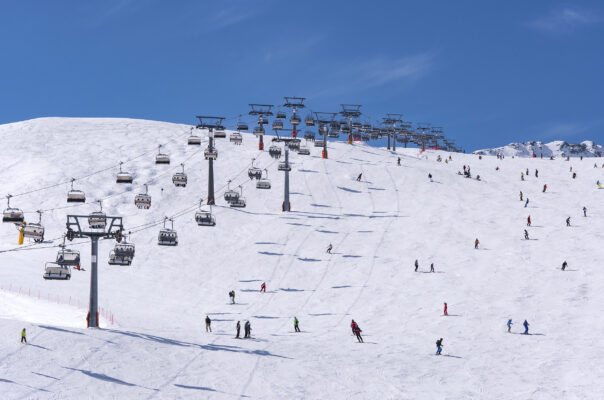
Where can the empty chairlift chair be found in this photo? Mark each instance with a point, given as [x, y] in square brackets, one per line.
[304, 150]
[161, 158]
[219, 133]
[97, 219]
[240, 201]
[74, 195]
[35, 230]
[242, 126]
[179, 179]
[280, 115]
[143, 200]
[295, 120]
[355, 125]
[259, 130]
[122, 176]
[193, 140]
[254, 172]
[167, 237]
[12, 214]
[230, 195]
[274, 151]
[263, 182]
[283, 166]
[309, 135]
[203, 217]
[309, 121]
[56, 271]
[277, 124]
[236, 138]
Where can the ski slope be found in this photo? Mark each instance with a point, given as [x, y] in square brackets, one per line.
[157, 346]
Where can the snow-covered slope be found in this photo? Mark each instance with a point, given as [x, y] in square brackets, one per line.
[556, 148]
[157, 346]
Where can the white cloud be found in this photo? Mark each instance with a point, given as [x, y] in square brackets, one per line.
[563, 21]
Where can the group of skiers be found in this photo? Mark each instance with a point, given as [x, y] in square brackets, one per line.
[525, 324]
[247, 328]
[417, 266]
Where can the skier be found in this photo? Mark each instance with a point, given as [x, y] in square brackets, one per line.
[568, 221]
[432, 267]
[208, 324]
[398, 162]
[509, 325]
[353, 325]
[526, 325]
[329, 248]
[359, 177]
[544, 188]
[526, 235]
[248, 329]
[574, 175]
[23, 338]
[445, 311]
[430, 177]
[522, 176]
[585, 211]
[439, 346]
[263, 287]
[416, 265]
[357, 331]
[476, 243]
[528, 221]
[521, 195]
[238, 328]
[232, 296]
[526, 202]
[296, 328]
[527, 172]
[564, 265]
[537, 171]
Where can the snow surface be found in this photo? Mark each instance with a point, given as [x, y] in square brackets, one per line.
[157, 347]
[557, 148]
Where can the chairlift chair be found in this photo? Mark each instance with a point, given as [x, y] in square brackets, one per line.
[323, 130]
[97, 219]
[210, 153]
[259, 130]
[319, 143]
[344, 128]
[56, 271]
[167, 236]
[254, 172]
[193, 140]
[304, 150]
[143, 200]
[230, 195]
[333, 133]
[295, 120]
[12, 214]
[122, 253]
[179, 179]
[203, 217]
[293, 145]
[263, 182]
[280, 115]
[274, 151]
[75, 196]
[34, 230]
[309, 121]
[236, 138]
[308, 135]
[122, 176]
[355, 125]
[284, 167]
[67, 256]
[219, 133]
[115, 259]
[242, 126]
[277, 124]
[161, 158]
[240, 201]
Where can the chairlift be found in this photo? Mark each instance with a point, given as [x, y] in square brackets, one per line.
[240, 201]
[277, 124]
[167, 237]
[242, 126]
[274, 151]
[319, 143]
[161, 158]
[12, 214]
[203, 217]
[219, 133]
[309, 121]
[263, 183]
[366, 127]
[210, 153]
[333, 133]
[280, 115]
[122, 253]
[283, 166]
[179, 179]
[193, 139]
[97, 219]
[259, 130]
[304, 150]
[294, 145]
[34, 230]
[254, 172]
[56, 271]
[230, 195]
[75, 196]
[236, 138]
[309, 135]
[123, 177]
[143, 200]
[355, 125]
[323, 130]
[67, 256]
[295, 120]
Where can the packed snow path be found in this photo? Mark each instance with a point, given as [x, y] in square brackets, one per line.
[157, 346]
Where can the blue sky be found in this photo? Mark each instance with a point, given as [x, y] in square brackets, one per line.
[488, 72]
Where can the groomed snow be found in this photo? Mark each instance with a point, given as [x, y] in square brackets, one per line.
[157, 346]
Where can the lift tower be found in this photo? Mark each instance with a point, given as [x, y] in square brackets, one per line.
[295, 103]
[261, 110]
[210, 123]
[437, 134]
[390, 121]
[350, 111]
[323, 120]
[78, 226]
[423, 137]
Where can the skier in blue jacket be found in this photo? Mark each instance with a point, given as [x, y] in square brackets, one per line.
[526, 325]
[509, 325]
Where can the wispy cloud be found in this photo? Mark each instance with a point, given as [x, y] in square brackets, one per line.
[563, 21]
[228, 16]
[377, 72]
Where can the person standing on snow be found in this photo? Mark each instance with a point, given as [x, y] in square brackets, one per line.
[445, 310]
[521, 195]
[248, 329]
[544, 188]
[509, 325]
[353, 325]
[526, 202]
[23, 338]
[522, 176]
[526, 235]
[439, 346]
[432, 267]
[208, 324]
[476, 243]
[398, 162]
[296, 328]
[232, 296]
[585, 211]
[528, 221]
[526, 325]
[329, 248]
[416, 265]
[564, 265]
[357, 331]
[263, 287]
[238, 329]
[568, 221]
[430, 177]
[536, 173]
[359, 177]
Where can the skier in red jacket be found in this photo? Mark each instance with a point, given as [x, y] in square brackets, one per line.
[445, 311]
[528, 221]
[263, 287]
